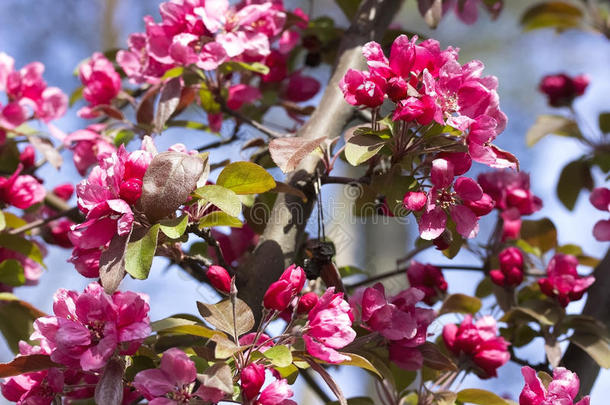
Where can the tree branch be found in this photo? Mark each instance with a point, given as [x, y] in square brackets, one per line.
[597, 306]
[283, 235]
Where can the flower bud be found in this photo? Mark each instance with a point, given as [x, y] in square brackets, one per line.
[219, 278]
[131, 190]
[307, 302]
[415, 200]
[64, 191]
[396, 89]
[27, 157]
[562, 89]
[511, 257]
[136, 164]
[252, 379]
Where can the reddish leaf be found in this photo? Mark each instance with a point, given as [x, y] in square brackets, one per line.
[287, 153]
[168, 183]
[26, 364]
[146, 109]
[112, 263]
[168, 102]
[109, 390]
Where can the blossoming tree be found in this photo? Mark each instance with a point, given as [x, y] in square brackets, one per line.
[406, 112]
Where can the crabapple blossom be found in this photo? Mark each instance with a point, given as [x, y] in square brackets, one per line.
[329, 327]
[479, 344]
[600, 199]
[252, 380]
[89, 327]
[561, 89]
[563, 389]
[279, 294]
[511, 268]
[276, 393]
[21, 191]
[562, 280]
[101, 83]
[88, 147]
[219, 278]
[428, 279]
[307, 302]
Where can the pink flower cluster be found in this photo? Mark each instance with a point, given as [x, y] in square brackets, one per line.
[281, 293]
[105, 197]
[510, 272]
[563, 389]
[209, 33]
[511, 192]
[478, 345]
[88, 147]
[89, 328]
[428, 85]
[21, 191]
[562, 281]
[561, 89]
[101, 84]
[428, 279]
[600, 199]
[28, 95]
[397, 319]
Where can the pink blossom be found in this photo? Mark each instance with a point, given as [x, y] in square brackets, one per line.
[38, 388]
[447, 197]
[562, 281]
[89, 327]
[219, 278]
[307, 302]
[263, 342]
[171, 383]
[397, 319]
[101, 83]
[422, 110]
[252, 379]
[428, 279]
[562, 89]
[363, 88]
[329, 327]
[27, 157]
[563, 389]
[280, 293]
[241, 94]
[300, 88]
[415, 200]
[21, 191]
[276, 393]
[600, 199]
[511, 268]
[88, 146]
[479, 344]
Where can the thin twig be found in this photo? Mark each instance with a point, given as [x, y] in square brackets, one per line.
[262, 128]
[210, 240]
[315, 387]
[221, 142]
[344, 180]
[43, 221]
[403, 270]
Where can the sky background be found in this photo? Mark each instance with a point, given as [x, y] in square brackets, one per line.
[60, 33]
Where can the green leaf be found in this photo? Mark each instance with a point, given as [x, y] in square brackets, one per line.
[208, 101]
[574, 177]
[539, 233]
[552, 124]
[233, 66]
[223, 198]
[174, 228]
[604, 122]
[76, 95]
[21, 245]
[174, 72]
[11, 273]
[139, 254]
[279, 355]
[290, 373]
[595, 346]
[480, 397]
[527, 248]
[16, 318]
[460, 303]
[12, 221]
[219, 218]
[123, 137]
[349, 7]
[552, 14]
[361, 148]
[484, 289]
[245, 178]
[2, 221]
[347, 271]
[357, 360]
[546, 312]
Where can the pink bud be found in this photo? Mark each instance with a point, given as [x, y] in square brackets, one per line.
[301, 88]
[482, 206]
[131, 190]
[396, 89]
[511, 257]
[497, 277]
[64, 191]
[27, 157]
[415, 200]
[307, 302]
[219, 278]
[278, 296]
[252, 379]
